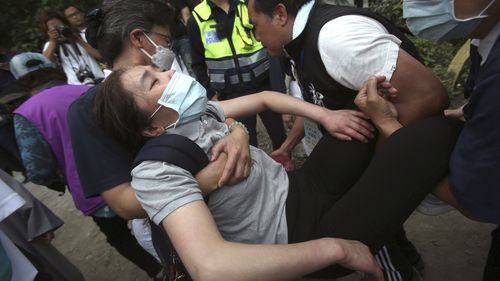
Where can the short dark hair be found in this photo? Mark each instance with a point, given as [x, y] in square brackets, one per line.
[118, 114]
[108, 27]
[267, 6]
[67, 5]
[45, 15]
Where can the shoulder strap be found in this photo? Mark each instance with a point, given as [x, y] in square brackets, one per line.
[175, 149]
[184, 153]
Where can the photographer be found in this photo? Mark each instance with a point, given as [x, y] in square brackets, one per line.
[76, 18]
[76, 57]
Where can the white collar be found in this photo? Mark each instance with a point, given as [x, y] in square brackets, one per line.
[485, 45]
[301, 19]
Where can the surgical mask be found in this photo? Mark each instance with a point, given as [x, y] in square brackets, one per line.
[162, 58]
[185, 96]
[436, 20]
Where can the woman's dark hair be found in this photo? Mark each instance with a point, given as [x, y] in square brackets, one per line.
[48, 14]
[109, 26]
[118, 114]
[40, 77]
[67, 5]
[267, 6]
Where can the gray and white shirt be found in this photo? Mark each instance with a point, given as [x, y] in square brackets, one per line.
[252, 211]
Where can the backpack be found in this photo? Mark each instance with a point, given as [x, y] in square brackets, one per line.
[182, 152]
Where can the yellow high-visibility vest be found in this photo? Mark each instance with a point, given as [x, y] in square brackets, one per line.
[239, 58]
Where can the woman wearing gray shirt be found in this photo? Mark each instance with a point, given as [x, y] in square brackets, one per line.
[270, 207]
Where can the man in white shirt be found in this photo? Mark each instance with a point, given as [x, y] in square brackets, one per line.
[335, 50]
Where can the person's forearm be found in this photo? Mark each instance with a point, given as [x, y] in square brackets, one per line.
[207, 256]
[209, 176]
[50, 50]
[235, 261]
[122, 200]
[277, 102]
[293, 138]
[185, 15]
[93, 52]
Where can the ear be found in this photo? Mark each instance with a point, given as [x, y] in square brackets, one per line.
[153, 131]
[136, 37]
[280, 14]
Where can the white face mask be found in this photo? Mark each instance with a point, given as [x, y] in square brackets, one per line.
[185, 96]
[436, 20]
[162, 58]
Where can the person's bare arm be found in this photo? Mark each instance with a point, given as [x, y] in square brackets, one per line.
[93, 52]
[208, 178]
[121, 199]
[207, 256]
[51, 48]
[342, 124]
[185, 15]
[292, 139]
[421, 94]
[236, 147]
[382, 112]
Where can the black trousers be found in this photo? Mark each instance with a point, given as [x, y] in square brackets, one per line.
[118, 235]
[328, 198]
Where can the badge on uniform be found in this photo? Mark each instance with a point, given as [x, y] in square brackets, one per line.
[211, 37]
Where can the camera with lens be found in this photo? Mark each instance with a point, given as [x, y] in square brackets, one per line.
[85, 76]
[65, 33]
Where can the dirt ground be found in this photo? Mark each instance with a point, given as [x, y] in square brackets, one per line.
[454, 248]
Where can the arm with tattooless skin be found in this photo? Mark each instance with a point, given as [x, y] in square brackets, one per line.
[206, 254]
[339, 123]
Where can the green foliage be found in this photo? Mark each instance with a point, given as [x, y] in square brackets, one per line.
[437, 56]
[19, 22]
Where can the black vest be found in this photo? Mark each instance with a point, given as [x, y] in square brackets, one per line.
[317, 85]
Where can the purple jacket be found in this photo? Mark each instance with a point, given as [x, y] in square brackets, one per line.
[47, 111]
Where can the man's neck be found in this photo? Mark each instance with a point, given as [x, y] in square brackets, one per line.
[223, 4]
[130, 58]
[488, 23]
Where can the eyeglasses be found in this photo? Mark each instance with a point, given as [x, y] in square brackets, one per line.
[77, 13]
[165, 37]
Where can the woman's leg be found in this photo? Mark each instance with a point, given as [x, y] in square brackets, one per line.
[331, 169]
[337, 165]
[404, 169]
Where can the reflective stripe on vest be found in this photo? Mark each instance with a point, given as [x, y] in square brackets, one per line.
[248, 62]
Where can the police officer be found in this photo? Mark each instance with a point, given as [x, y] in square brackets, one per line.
[229, 61]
